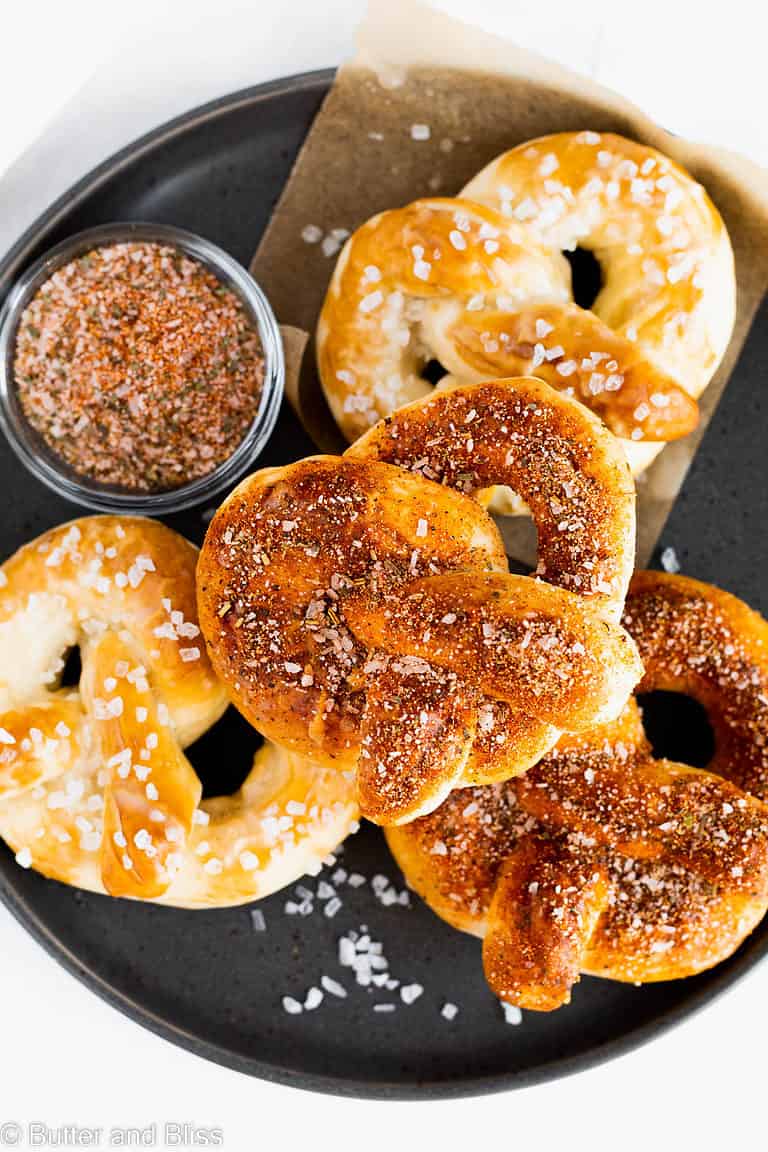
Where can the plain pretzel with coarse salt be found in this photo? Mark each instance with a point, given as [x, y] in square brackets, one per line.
[95, 789]
[361, 612]
[481, 284]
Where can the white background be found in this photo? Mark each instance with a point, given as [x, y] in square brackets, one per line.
[79, 79]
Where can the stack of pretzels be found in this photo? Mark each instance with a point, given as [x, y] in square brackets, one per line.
[359, 610]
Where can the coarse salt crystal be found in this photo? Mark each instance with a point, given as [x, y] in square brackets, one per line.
[333, 986]
[371, 301]
[347, 952]
[669, 560]
[549, 164]
[512, 1014]
[566, 367]
[313, 999]
[554, 353]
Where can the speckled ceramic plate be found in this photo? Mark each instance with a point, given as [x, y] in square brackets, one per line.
[208, 980]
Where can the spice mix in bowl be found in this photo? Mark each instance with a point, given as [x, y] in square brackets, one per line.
[141, 368]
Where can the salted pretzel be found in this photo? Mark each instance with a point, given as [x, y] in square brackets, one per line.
[602, 859]
[362, 613]
[95, 790]
[480, 284]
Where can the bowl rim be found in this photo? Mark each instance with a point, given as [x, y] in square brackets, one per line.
[41, 460]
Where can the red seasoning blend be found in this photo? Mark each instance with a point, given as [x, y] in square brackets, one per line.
[138, 366]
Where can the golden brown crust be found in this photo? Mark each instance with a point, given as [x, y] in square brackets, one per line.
[700, 640]
[525, 642]
[280, 558]
[418, 727]
[602, 859]
[648, 405]
[329, 589]
[554, 453]
[94, 787]
[536, 943]
[668, 282]
[480, 284]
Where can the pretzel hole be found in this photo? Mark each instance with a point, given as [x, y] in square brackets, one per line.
[73, 668]
[433, 372]
[586, 276]
[223, 756]
[521, 542]
[677, 727]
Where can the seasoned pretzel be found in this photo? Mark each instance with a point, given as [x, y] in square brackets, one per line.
[555, 454]
[364, 615]
[480, 284]
[95, 790]
[602, 859]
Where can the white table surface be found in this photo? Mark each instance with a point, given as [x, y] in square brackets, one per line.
[82, 78]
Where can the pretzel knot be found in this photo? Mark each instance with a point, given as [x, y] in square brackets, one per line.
[481, 284]
[95, 789]
[361, 611]
[602, 859]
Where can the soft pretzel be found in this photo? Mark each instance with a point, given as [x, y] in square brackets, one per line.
[363, 615]
[602, 859]
[95, 790]
[555, 454]
[480, 284]
[668, 281]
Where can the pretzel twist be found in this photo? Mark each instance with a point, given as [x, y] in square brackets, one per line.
[95, 790]
[480, 283]
[363, 614]
[602, 859]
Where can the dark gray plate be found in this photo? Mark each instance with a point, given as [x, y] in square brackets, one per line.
[206, 980]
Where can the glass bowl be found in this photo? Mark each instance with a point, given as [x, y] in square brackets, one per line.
[41, 459]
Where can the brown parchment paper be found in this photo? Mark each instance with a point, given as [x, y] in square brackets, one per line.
[479, 95]
[294, 346]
